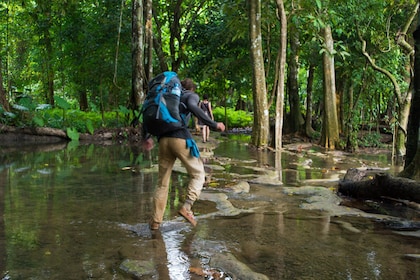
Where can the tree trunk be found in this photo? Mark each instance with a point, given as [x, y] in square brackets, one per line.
[137, 79]
[281, 58]
[296, 118]
[3, 99]
[39, 131]
[341, 91]
[157, 45]
[309, 89]
[351, 143]
[412, 160]
[260, 130]
[330, 135]
[382, 185]
[83, 100]
[148, 42]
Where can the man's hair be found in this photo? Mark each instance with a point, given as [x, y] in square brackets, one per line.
[188, 84]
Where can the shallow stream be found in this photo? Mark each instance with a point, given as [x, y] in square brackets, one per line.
[81, 212]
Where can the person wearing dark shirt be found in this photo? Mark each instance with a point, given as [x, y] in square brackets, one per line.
[180, 144]
[205, 105]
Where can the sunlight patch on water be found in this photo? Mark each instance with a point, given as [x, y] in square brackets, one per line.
[178, 261]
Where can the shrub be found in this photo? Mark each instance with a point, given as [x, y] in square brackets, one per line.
[237, 119]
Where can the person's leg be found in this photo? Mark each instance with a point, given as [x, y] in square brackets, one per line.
[166, 162]
[195, 169]
[204, 133]
[208, 133]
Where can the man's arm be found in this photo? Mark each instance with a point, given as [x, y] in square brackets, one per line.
[192, 102]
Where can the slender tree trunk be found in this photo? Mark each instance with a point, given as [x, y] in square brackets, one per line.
[330, 135]
[138, 79]
[296, 118]
[157, 44]
[4, 103]
[309, 131]
[351, 144]
[83, 101]
[281, 70]
[149, 42]
[341, 91]
[260, 130]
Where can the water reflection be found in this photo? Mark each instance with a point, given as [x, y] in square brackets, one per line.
[77, 213]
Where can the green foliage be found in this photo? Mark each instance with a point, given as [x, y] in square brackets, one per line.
[75, 44]
[237, 119]
[73, 134]
[89, 126]
[76, 120]
[372, 139]
[62, 103]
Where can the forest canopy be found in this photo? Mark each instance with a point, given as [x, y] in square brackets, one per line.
[61, 55]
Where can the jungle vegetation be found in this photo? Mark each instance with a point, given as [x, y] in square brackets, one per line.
[339, 71]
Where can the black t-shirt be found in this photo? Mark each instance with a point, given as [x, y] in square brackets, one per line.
[190, 99]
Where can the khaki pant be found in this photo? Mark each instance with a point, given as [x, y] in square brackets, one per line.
[169, 150]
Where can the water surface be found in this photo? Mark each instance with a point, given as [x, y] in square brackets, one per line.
[82, 212]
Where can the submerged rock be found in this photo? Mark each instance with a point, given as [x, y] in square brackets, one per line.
[240, 187]
[232, 266]
[138, 268]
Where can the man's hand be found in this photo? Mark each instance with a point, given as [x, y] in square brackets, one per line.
[221, 126]
[147, 144]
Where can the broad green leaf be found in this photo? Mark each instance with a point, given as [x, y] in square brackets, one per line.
[61, 102]
[124, 110]
[89, 126]
[38, 121]
[73, 134]
[319, 4]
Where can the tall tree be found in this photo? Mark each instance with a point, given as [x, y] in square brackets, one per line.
[309, 131]
[412, 160]
[281, 65]
[402, 93]
[148, 47]
[295, 119]
[138, 71]
[174, 21]
[330, 133]
[260, 129]
[4, 103]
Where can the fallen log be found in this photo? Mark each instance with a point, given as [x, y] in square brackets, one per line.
[40, 131]
[48, 134]
[382, 185]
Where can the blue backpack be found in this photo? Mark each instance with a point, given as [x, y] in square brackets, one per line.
[160, 110]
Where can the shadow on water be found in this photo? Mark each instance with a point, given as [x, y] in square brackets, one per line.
[82, 212]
